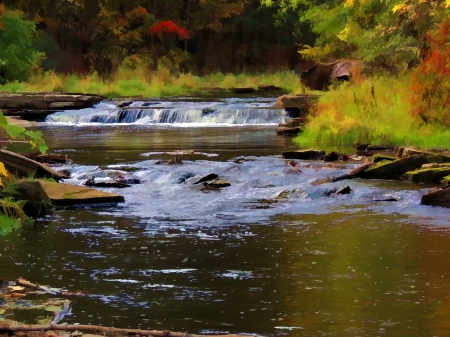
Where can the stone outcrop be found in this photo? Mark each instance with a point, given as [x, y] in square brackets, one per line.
[428, 175]
[69, 195]
[394, 169]
[37, 105]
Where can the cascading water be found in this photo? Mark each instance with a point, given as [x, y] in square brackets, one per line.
[221, 112]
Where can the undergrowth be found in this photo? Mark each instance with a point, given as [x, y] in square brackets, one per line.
[371, 111]
[143, 82]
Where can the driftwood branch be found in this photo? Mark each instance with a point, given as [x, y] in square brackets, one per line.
[349, 175]
[107, 331]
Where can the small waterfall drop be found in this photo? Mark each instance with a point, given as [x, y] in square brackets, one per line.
[220, 112]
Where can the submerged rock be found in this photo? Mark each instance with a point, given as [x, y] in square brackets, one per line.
[296, 192]
[440, 197]
[303, 154]
[427, 175]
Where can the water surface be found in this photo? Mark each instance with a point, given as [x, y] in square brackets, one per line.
[271, 254]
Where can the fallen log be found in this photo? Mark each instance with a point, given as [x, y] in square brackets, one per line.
[24, 167]
[107, 331]
[349, 175]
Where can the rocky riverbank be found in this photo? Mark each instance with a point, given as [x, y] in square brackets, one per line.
[405, 163]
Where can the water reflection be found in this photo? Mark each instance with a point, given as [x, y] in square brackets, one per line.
[360, 274]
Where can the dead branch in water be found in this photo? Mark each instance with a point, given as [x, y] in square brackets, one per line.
[107, 331]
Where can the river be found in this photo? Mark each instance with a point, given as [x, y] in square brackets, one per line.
[268, 255]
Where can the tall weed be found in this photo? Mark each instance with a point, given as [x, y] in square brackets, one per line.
[375, 111]
[370, 111]
[140, 81]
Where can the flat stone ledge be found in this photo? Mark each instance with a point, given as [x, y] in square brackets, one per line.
[70, 195]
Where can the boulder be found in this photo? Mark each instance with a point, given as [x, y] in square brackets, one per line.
[378, 157]
[440, 197]
[427, 175]
[404, 152]
[320, 75]
[303, 154]
[343, 190]
[37, 201]
[68, 195]
[332, 156]
[394, 169]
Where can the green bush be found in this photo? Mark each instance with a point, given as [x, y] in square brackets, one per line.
[17, 52]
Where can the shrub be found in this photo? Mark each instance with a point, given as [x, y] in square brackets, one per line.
[17, 52]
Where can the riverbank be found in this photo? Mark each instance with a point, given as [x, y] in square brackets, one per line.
[144, 83]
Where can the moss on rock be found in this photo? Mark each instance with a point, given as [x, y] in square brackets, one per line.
[427, 175]
[394, 169]
[378, 157]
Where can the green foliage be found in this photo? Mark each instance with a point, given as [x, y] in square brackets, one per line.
[375, 111]
[7, 224]
[390, 33]
[18, 132]
[17, 52]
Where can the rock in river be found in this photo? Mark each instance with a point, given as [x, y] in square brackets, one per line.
[303, 154]
[208, 177]
[440, 197]
[394, 169]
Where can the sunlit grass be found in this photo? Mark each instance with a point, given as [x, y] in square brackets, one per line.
[143, 82]
[372, 111]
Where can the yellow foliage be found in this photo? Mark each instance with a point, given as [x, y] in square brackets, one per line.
[3, 173]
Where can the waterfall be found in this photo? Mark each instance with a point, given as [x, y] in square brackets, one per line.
[236, 111]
